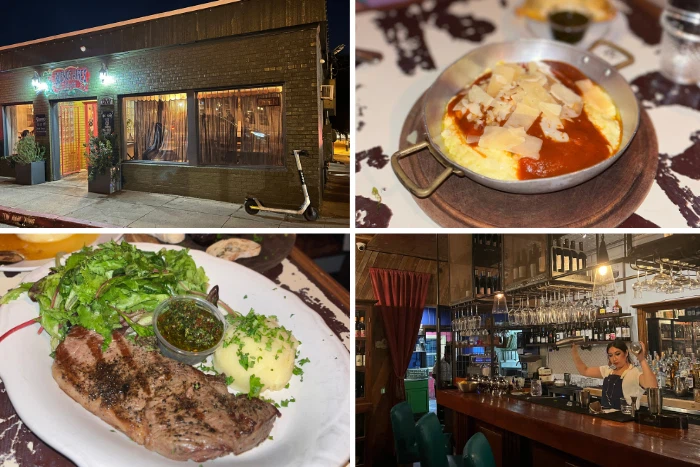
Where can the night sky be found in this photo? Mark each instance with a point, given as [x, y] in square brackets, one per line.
[25, 21]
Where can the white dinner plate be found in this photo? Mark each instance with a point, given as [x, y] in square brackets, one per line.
[313, 431]
[30, 265]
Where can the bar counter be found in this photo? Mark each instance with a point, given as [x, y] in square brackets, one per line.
[522, 433]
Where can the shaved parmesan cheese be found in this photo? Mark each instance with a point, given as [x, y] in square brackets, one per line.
[523, 116]
[566, 96]
[529, 148]
[584, 85]
[550, 110]
[550, 128]
[501, 139]
[479, 96]
[536, 93]
[471, 139]
[567, 113]
[462, 106]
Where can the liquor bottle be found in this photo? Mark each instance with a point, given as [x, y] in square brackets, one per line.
[357, 329]
[488, 284]
[482, 284]
[557, 265]
[476, 282]
[487, 241]
[362, 326]
[494, 241]
[516, 263]
[601, 308]
[531, 338]
[496, 282]
[628, 331]
[581, 257]
[358, 358]
[566, 253]
[618, 330]
[616, 307]
[522, 265]
[533, 261]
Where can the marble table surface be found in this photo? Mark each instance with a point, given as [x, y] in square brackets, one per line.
[402, 50]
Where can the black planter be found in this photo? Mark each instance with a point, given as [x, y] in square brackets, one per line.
[102, 184]
[30, 174]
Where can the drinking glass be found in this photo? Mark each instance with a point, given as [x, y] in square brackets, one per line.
[636, 347]
[625, 407]
[536, 388]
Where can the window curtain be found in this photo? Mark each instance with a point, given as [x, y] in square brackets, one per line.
[11, 129]
[218, 129]
[241, 127]
[401, 298]
[160, 129]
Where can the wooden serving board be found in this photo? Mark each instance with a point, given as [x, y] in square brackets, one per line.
[604, 201]
[274, 248]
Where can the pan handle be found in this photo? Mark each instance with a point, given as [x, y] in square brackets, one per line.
[628, 57]
[410, 184]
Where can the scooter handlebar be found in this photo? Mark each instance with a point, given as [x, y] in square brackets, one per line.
[301, 152]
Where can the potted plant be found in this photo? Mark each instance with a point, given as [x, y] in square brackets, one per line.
[29, 161]
[103, 164]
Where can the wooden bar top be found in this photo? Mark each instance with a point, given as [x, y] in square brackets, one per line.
[596, 440]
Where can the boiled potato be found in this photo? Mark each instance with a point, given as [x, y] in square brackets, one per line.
[256, 345]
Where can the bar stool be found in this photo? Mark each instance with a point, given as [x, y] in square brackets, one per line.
[431, 444]
[477, 452]
[403, 426]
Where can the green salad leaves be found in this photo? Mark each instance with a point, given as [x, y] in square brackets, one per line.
[98, 286]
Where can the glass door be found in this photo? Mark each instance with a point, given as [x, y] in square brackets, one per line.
[683, 337]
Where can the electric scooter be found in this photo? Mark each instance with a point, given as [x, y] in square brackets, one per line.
[254, 206]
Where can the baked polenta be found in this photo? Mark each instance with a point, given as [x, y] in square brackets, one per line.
[534, 120]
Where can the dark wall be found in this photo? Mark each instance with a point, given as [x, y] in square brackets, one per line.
[244, 17]
[289, 57]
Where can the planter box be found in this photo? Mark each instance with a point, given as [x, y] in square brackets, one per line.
[30, 174]
[102, 184]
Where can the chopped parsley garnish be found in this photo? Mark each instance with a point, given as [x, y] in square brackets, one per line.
[257, 238]
[285, 403]
[203, 367]
[297, 371]
[229, 380]
[287, 386]
[270, 438]
[303, 361]
[245, 296]
[255, 387]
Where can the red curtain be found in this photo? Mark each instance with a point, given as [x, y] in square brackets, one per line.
[401, 296]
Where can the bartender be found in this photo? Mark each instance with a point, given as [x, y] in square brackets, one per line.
[445, 367]
[620, 377]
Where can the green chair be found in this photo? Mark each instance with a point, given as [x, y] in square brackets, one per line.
[477, 452]
[431, 444]
[404, 428]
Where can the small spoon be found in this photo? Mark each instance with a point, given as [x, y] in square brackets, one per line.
[10, 257]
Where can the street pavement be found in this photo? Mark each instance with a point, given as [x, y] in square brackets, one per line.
[69, 198]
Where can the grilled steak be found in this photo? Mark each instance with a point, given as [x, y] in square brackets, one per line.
[169, 407]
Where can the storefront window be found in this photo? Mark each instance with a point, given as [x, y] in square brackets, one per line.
[241, 127]
[155, 127]
[19, 120]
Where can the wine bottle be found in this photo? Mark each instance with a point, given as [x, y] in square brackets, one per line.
[618, 330]
[557, 259]
[487, 240]
[533, 262]
[522, 265]
[574, 257]
[581, 257]
[566, 253]
[601, 308]
[476, 282]
[488, 284]
[482, 284]
[362, 326]
[494, 241]
[516, 262]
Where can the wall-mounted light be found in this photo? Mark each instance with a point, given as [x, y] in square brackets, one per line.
[38, 84]
[83, 48]
[105, 77]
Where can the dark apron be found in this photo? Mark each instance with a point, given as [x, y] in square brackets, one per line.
[612, 392]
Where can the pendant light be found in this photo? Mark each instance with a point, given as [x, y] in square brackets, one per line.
[604, 281]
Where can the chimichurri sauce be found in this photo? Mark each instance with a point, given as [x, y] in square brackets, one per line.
[188, 327]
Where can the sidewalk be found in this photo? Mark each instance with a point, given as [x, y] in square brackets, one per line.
[68, 199]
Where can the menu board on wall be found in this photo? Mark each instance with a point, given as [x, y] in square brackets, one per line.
[107, 122]
[40, 125]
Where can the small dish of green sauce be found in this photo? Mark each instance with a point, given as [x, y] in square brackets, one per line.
[568, 26]
[188, 328]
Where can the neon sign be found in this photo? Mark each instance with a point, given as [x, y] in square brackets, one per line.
[68, 79]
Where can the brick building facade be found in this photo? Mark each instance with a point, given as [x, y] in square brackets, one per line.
[262, 58]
